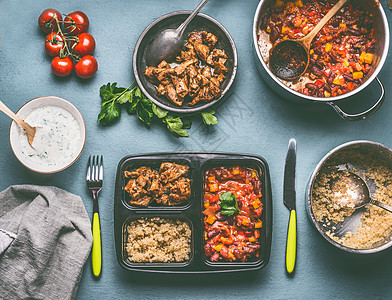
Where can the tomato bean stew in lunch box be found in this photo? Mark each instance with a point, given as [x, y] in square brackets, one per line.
[193, 212]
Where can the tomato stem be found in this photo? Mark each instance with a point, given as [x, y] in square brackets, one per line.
[66, 52]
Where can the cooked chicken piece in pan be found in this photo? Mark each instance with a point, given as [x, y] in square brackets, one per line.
[215, 90]
[187, 55]
[195, 37]
[209, 38]
[171, 94]
[206, 72]
[202, 51]
[192, 78]
[216, 55]
[179, 70]
[161, 90]
[182, 87]
[219, 68]
[163, 75]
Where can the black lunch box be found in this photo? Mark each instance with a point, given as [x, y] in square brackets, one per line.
[191, 211]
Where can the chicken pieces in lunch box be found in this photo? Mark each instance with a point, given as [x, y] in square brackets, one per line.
[169, 186]
[199, 74]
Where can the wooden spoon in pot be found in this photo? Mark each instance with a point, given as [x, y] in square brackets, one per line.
[25, 126]
[290, 58]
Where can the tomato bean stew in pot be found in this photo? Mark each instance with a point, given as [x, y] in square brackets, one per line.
[342, 52]
[232, 212]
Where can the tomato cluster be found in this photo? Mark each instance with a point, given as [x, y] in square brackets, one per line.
[68, 42]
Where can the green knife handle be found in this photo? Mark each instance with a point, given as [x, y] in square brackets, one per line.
[96, 252]
[291, 247]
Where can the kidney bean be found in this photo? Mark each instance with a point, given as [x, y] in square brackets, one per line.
[316, 71]
[320, 94]
[331, 77]
[275, 18]
[317, 51]
[220, 217]
[312, 86]
[327, 87]
[319, 65]
[348, 77]
[333, 57]
[212, 233]
[215, 256]
[257, 186]
[248, 250]
[254, 246]
[274, 34]
[238, 254]
[353, 31]
[335, 21]
[208, 250]
[279, 9]
[264, 22]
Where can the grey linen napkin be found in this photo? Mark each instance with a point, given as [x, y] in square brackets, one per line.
[45, 240]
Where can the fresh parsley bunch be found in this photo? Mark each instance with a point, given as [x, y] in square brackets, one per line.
[113, 98]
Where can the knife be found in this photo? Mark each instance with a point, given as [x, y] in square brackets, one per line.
[289, 202]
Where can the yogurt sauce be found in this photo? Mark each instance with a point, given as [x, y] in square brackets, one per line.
[56, 140]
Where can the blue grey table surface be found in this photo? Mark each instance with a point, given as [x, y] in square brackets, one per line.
[252, 120]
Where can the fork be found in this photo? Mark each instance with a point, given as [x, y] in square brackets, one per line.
[94, 181]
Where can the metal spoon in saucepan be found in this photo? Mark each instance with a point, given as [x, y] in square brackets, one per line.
[351, 192]
[25, 126]
[169, 42]
[290, 58]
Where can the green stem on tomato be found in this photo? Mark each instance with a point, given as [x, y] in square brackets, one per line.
[65, 39]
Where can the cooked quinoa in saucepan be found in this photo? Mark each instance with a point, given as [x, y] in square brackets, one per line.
[376, 223]
[158, 240]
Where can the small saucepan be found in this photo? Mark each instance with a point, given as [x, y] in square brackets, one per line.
[381, 50]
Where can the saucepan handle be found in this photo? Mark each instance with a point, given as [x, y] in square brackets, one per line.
[362, 115]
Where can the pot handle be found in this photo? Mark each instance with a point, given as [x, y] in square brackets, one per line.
[362, 115]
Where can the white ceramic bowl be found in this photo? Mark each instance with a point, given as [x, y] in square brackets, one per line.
[16, 131]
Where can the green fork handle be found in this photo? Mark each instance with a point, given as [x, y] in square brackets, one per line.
[96, 254]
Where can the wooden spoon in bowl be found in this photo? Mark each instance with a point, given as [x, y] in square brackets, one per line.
[25, 126]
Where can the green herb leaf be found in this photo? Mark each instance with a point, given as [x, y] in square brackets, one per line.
[106, 92]
[110, 111]
[124, 98]
[175, 126]
[146, 103]
[159, 112]
[138, 92]
[132, 106]
[228, 204]
[145, 115]
[186, 123]
[209, 118]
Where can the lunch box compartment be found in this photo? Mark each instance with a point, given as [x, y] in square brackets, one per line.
[192, 211]
[160, 264]
[154, 164]
[259, 166]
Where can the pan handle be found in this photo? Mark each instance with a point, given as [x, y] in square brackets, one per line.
[362, 115]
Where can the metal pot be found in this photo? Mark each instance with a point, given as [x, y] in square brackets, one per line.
[382, 45]
[339, 156]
